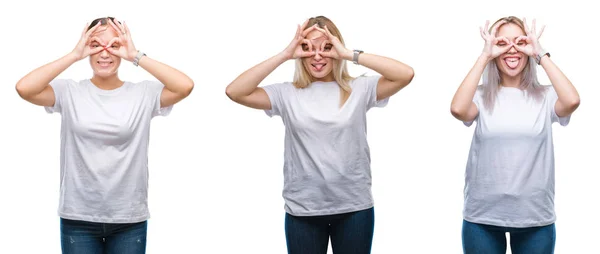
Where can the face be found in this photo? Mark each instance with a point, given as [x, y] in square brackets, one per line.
[318, 66]
[103, 63]
[512, 62]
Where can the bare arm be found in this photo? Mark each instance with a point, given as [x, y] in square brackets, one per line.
[177, 84]
[395, 74]
[568, 97]
[35, 86]
[463, 108]
[244, 89]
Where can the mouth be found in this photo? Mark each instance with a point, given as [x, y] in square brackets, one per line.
[512, 61]
[104, 63]
[318, 66]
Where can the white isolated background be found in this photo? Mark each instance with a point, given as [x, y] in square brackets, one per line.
[216, 166]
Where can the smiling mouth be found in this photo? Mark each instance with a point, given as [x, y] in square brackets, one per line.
[104, 63]
[512, 62]
[318, 67]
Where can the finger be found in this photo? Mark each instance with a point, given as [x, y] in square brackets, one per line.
[304, 24]
[96, 50]
[308, 30]
[96, 39]
[328, 54]
[114, 26]
[120, 24]
[482, 33]
[520, 48]
[487, 24]
[533, 30]
[526, 26]
[541, 31]
[111, 42]
[126, 28]
[308, 43]
[298, 32]
[307, 54]
[504, 39]
[495, 28]
[329, 34]
[523, 38]
[85, 29]
[92, 30]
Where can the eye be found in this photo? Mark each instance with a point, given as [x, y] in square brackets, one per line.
[501, 44]
[115, 46]
[327, 47]
[521, 43]
[305, 47]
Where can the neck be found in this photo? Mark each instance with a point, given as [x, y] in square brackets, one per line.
[107, 83]
[508, 81]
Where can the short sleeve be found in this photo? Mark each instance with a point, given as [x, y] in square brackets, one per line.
[551, 99]
[154, 91]
[478, 100]
[370, 83]
[60, 88]
[275, 92]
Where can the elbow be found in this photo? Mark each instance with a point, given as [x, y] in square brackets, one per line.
[230, 92]
[409, 75]
[21, 90]
[573, 104]
[458, 112]
[189, 87]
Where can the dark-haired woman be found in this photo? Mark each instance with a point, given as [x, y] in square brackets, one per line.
[104, 137]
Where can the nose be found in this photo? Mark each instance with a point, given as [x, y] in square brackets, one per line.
[104, 53]
[512, 49]
[318, 56]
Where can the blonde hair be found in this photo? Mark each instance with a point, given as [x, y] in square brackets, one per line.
[302, 77]
[492, 79]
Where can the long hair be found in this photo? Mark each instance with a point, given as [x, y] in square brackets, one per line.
[302, 77]
[492, 79]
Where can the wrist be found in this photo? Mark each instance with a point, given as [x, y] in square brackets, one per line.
[348, 55]
[485, 57]
[284, 56]
[73, 57]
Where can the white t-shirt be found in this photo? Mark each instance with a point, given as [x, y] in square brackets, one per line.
[326, 156]
[509, 178]
[104, 149]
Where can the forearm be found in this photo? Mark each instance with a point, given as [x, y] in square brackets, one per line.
[463, 97]
[36, 81]
[247, 82]
[565, 90]
[173, 79]
[391, 69]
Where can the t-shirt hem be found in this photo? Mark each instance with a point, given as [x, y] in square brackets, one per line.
[90, 218]
[509, 224]
[332, 211]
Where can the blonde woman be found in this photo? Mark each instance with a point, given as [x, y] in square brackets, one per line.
[104, 137]
[327, 175]
[509, 180]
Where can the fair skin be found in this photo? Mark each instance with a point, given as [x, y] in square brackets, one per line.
[318, 48]
[510, 47]
[105, 45]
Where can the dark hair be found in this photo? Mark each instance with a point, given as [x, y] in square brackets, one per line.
[103, 21]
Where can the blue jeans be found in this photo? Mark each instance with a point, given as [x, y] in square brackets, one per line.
[351, 233]
[82, 237]
[487, 239]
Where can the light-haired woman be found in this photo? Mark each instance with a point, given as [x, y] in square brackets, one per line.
[509, 180]
[327, 175]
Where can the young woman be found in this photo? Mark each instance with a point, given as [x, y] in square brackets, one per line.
[104, 137]
[327, 177]
[509, 180]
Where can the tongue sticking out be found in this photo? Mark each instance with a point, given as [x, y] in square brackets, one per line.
[512, 62]
[318, 67]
